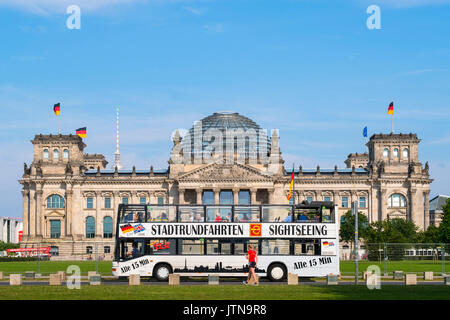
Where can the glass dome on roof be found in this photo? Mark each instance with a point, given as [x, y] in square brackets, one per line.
[253, 139]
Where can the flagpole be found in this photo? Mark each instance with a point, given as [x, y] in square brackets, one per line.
[59, 123]
[293, 187]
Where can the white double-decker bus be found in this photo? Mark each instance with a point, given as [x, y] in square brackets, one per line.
[200, 240]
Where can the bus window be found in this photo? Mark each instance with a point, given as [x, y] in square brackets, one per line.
[273, 247]
[132, 249]
[276, 214]
[188, 247]
[246, 214]
[218, 214]
[241, 246]
[307, 215]
[327, 215]
[218, 247]
[306, 247]
[160, 246]
[190, 214]
[161, 214]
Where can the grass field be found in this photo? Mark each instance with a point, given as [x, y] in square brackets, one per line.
[228, 292]
[104, 267]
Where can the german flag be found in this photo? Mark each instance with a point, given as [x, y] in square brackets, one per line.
[391, 108]
[127, 228]
[291, 185]
[57, 109]
[81, 132]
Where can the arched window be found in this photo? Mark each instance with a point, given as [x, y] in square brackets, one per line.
[395, 153]
[107, 227]
[397, 200]
[46, 154]
[56, 154]
[405, 153]
[55, 201]
[66, 154]
[386, 153]
[90, 227]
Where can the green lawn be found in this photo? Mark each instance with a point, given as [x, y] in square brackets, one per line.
[104, 267]
[225, 292]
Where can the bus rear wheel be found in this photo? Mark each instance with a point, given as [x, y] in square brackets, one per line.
[161, 272]
[276, 272]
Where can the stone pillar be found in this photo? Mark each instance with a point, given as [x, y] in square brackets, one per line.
[39, 213]
[383, 204]
[216, 195]
[271, 192]
[32, 221]
[235, 196]
[25, 194]
[69, 194]
[417, 208]
[253, 195]
[426, 212]
[98, 216]
[181, 199]
[199, 196]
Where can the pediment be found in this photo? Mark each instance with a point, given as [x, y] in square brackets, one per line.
[225, 172]
[54, 214]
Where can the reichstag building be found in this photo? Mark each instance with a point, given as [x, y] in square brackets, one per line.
[70, 198]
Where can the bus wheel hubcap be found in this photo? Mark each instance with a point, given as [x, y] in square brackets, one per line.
[277, 273]
[163, 272]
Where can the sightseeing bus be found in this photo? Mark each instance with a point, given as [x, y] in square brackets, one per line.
[202, 240]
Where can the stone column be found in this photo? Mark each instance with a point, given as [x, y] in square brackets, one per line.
[98, 218]
[32, 221]
[271, 192]
[216, 195]
[69, 194]
[253, 195]
[199, 196]
[181, 199]
[383, 204]
[25, 194]
[235, 196]
[427, 210]
[39, 213]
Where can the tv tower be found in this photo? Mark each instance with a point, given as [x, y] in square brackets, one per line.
[117, 153]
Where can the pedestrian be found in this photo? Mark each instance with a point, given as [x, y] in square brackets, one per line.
[252, 260]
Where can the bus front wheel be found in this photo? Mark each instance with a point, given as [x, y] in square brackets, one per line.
[276, 272]
[162, 271]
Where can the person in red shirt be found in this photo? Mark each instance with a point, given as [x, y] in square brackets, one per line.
[252, 260]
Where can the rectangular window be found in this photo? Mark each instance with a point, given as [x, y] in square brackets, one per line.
[327, 199]
[274, 247]
[344, 202]
[276, 214]
[362, 202]
[55, 229]
[89, 250]
[244, 197]
[189, 247]
[160, 201]
[218, 247]
[142, 200]
[160, 214]
[162, 246]
[306, 247]
[309, 199]
[107, 203]
[241, 246]
[90, 203]
[125, 200]
[191, 214]
[107, 249]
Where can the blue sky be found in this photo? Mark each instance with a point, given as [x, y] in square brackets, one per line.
[310, 68]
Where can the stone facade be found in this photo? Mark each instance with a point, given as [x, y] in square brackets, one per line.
[60, 189]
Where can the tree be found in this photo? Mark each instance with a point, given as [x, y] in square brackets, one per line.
[390, 231]
[347, 228]
[7, 245]
[444, 227]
